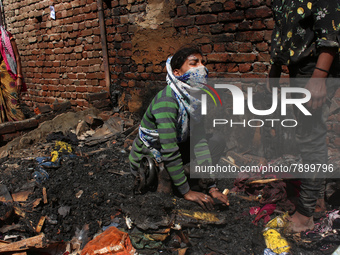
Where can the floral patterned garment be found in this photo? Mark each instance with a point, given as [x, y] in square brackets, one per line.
[301, 27]
[9, 97]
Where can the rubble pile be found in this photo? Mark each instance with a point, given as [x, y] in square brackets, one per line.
[68, 188]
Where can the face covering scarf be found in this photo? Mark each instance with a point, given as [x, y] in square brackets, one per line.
[191, 81]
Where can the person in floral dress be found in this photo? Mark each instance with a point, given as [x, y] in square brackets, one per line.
[306, 40]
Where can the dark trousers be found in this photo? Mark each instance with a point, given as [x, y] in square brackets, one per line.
[311, 134]
[216, 143]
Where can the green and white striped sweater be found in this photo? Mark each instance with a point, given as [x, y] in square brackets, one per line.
[162, 115]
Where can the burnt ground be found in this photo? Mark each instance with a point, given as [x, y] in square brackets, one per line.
[96, 188]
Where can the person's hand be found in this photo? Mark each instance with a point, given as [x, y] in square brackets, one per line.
[273, 78]
[215, 193]
[19, 84]
[205, 201]
[318, 91]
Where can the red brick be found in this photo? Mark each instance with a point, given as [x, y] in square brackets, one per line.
[118, 38]
[244, 3]
[263, 46]
[243, 68]
[233, 47]
[232, 68]
[81, 89]
[259, 68]
[222, 38]
[127, 45]
[203, 29]
[122, 29]
[242, 57]
[206, 19]
[230, 27]
[245, 25]
[216, 28]
[182, 10]
[245, 47]
[263, 57]
[131, 83]
[192, 30]
[219, 47]
[267, 35]
[255, 36]
[258, 24]
[82, 102]
[270, 23]
[260, 12]
[207, 48]
[229, 5]
[221, 67]
[234, 16]
[183, 22]
[218, 57]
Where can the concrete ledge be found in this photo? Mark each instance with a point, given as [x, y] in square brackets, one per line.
[7, 127]
[26, 124]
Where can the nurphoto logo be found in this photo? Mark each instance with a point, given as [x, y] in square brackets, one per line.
[239, 102]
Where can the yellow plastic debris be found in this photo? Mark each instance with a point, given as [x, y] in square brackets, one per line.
[275, 241]
[54, 156]
[279, 221]
[60, 147]
[204, 216]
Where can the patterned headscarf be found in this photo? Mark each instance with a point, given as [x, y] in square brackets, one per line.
[188, 106]
[191, 81]
[7, 53]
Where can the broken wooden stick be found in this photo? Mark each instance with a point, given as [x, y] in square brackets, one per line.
[21, 196]
[33, 242]
[19, 212]
[44, 195]
[264, 181]
[228, 161]
[3, 243]
[40, 224]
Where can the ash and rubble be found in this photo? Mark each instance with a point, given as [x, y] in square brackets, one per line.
[93, 189]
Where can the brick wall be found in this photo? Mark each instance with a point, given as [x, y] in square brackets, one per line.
[233, 35]
[62, 58]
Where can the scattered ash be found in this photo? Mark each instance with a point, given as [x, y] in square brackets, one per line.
[96, 188]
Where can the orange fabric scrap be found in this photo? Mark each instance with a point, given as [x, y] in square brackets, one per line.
[111, 241]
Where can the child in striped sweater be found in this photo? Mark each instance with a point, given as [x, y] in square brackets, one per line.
[164, 133]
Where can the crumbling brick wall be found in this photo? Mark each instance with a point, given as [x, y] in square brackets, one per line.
[61, 58]
[233, 35]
